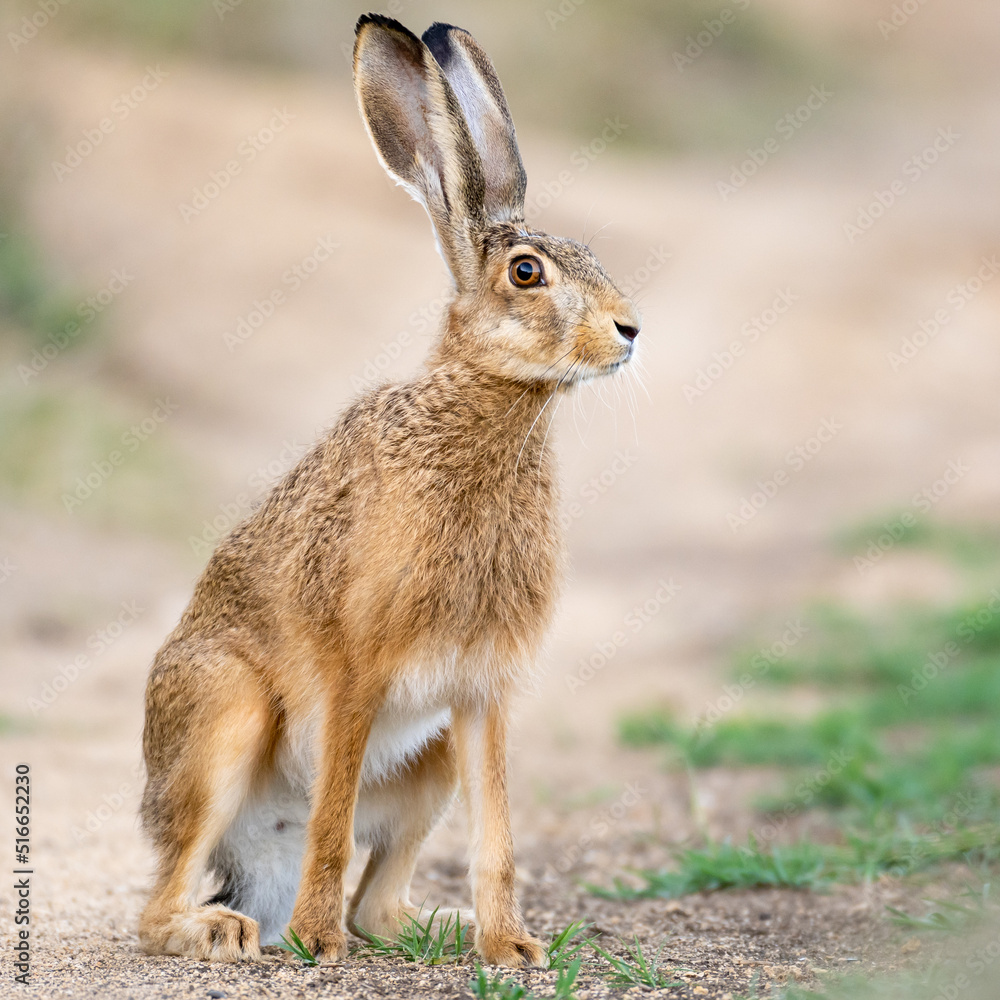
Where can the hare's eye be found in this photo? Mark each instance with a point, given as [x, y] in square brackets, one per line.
[526, 271]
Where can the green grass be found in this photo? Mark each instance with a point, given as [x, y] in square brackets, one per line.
[726, 866]
[59, 418]
[298, 948]
[805, 865]
[149, 24]
[566, 980]
[29, 299]
[843, 648]
[497, 988]
[637, 969]
[53, 435]
[967, 546]
[915, 717]
[431, 942]
[439, 942]
[950, 914]
[750, 740]
[949, 980]
[902, 760]
[564, 948]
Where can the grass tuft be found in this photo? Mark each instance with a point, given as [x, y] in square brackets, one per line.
[864, 857]
[752, 740]
[28, 300]
[426, 943]
[563, 948]
[949, 914]
[298, 948]
[637, 969]
[566, 980]
[726, 866]
[496, 988]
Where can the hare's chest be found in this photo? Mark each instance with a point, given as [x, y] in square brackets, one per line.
[456, 562]
[494, 556]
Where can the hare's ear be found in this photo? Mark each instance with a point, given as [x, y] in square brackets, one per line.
[477, 87]
[418, 129]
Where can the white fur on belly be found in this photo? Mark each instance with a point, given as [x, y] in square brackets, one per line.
[266, 842]
[395, 737]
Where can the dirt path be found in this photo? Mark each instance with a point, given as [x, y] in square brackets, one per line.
[812, 411]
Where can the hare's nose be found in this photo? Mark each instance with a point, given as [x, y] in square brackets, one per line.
[628, 332]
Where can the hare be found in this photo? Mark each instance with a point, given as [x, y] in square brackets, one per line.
[352, 648]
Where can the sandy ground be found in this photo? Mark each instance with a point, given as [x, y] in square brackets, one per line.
[653, 477]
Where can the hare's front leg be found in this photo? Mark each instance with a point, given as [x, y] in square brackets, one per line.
[318, 916]
[481, 742]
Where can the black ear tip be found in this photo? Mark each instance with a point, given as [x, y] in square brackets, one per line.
[439, 28]
[436, 39]
[380, 21]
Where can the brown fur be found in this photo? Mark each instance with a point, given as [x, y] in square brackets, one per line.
[408, 565]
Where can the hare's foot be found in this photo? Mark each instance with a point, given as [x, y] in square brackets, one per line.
[511, 951]
[327, 944]
[210, 933]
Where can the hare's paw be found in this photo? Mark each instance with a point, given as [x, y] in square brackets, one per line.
[210, 933]
[329, 945]
[511, 951]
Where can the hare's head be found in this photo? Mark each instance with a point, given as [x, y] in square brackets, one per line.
[527, 306]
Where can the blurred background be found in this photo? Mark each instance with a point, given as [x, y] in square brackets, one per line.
[201, 261]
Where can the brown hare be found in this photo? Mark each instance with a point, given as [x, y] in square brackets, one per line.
[352, 648]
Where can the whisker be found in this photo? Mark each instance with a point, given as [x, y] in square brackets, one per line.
[598, 233]
[555, 389]
[639, 366]
[633, 404]
[578, 399]
[614, 412]
[567, 378]
[532, 427]
[552, 420]
[593, 411]
[539, 379]
[583, 237]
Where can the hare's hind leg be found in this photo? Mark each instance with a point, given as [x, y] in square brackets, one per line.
[260, 856]
[208, 731]
[394, 817]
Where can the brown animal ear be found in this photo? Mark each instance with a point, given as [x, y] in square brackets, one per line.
[477, 87]
[417, 127]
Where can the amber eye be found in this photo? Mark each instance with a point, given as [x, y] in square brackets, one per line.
[526, 271]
